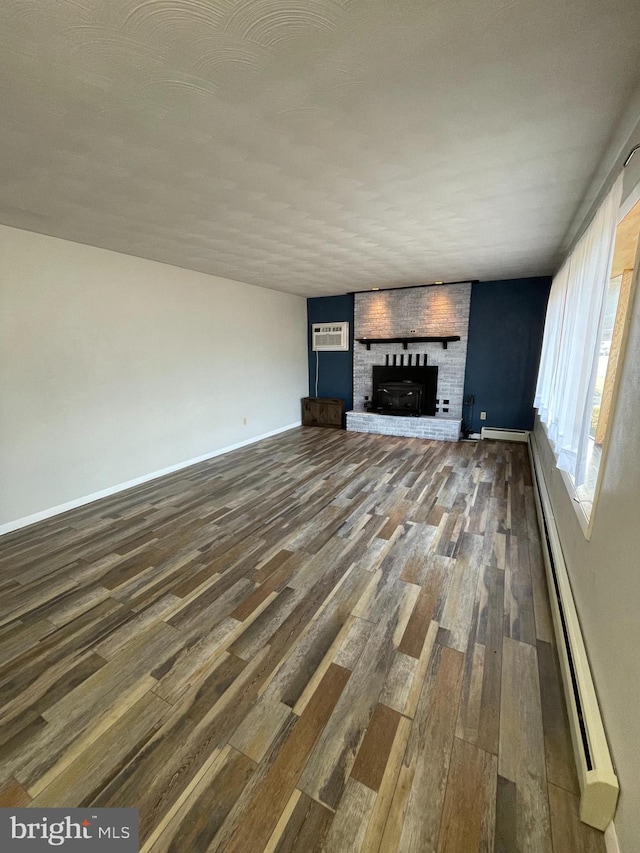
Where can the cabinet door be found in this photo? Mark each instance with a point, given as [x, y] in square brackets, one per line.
[310, 412]
[332, 413]
[320, 411]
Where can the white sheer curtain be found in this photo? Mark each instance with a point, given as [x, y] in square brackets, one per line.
[545, 398]
[568, 364]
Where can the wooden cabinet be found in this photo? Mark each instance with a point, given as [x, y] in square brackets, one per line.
[323, 411]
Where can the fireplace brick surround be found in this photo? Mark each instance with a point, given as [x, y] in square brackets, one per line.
[420, 311]
[440, 429]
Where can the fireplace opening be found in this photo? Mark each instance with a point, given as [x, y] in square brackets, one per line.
[400, 398]
[400, 390]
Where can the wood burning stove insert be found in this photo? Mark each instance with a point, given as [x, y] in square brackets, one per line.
[401, 390]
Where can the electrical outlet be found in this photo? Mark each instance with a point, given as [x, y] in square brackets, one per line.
[483, 416]
[244, 422]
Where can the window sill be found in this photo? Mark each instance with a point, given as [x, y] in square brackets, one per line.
[582, 508]
[579, 506]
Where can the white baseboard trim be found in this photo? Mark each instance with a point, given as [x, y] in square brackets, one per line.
[611, 839]
[121, 487]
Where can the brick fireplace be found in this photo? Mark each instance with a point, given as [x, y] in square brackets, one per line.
[439, 310]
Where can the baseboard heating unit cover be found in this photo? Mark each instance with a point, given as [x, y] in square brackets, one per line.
[598, 781]
[505, 434]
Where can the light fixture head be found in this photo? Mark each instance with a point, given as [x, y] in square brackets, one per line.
[630, 155]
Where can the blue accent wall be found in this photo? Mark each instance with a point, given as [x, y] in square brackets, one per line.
[335, 369]
[505, 337]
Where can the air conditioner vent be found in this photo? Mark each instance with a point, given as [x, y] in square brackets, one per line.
[330, 337]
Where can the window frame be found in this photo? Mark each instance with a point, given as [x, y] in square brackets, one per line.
[586, 521]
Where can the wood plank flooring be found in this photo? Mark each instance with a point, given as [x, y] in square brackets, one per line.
[323, 641]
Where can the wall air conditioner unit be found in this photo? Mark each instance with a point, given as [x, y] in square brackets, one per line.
[330, 337]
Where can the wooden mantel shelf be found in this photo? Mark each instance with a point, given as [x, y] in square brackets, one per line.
[405, 341]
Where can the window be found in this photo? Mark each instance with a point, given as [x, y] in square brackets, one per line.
[616, 304]
[582, 344]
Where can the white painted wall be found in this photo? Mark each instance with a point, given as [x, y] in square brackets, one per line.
[605, 577]
[113, 367]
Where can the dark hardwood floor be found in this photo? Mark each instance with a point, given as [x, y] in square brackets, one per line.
[326, 640]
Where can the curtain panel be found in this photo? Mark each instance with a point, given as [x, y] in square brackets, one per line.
[568, 363]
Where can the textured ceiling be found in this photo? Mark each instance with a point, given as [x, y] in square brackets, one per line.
[312, 146]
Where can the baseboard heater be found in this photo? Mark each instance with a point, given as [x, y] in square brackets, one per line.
[504, 434]
[598, 782]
